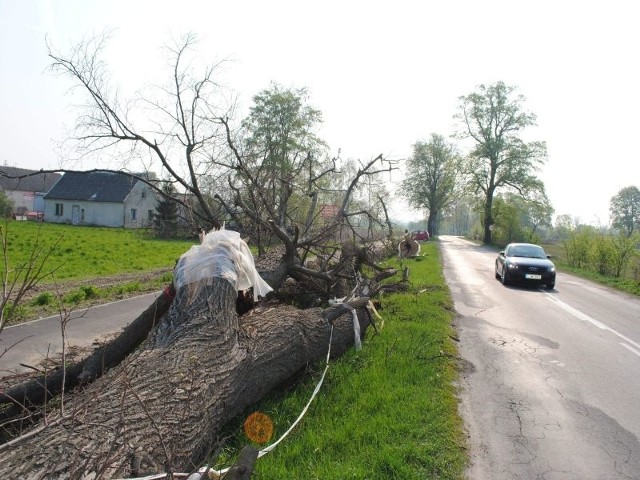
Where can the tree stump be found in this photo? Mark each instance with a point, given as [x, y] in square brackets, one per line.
[408, 248]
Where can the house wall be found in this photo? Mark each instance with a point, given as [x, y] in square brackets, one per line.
[143, 200]
[106, 214]
[22, 201]
[102, 214]
[38, 202]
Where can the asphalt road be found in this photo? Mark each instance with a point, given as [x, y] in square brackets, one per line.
[30, 343]
[551, 387]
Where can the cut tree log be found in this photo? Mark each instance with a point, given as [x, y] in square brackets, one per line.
[408, 248]
[162, 409]
[243, 468]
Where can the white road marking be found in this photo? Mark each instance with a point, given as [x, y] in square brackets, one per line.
[586, 318]
[630, 348]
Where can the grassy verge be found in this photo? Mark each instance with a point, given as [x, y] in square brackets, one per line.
[54, 299]
[388, 411]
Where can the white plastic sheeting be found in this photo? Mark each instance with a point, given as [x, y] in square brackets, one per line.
[222, 254]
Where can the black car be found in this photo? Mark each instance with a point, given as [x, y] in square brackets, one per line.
[525, 263]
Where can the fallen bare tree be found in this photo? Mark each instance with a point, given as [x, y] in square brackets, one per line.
[161, 409]
[20, 404]
[151, 414]
[26, 397]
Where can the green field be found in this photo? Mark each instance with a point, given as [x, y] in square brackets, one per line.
[85, 265]
[88, 252]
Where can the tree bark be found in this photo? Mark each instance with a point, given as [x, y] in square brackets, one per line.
[163, 407]
[432, 222]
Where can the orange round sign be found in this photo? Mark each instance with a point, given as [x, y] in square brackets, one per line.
[258, 427]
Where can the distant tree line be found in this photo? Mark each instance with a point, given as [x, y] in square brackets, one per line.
[607, 251]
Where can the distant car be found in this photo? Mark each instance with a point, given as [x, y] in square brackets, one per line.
[420, 235]
[525, 263]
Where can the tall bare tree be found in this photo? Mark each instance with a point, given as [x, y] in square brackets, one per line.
[177, 126]
[274, 164]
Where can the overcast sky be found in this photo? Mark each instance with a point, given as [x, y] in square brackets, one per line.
[384, 74]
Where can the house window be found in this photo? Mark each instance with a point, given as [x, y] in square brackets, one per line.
[151, 215]
[144, 194]
[82, 215]
[59, 209]
[133, 214]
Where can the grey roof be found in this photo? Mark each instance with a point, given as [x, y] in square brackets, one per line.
[36, 182]
[92, 186]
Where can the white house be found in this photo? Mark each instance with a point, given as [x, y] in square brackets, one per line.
[26, 188]
[105, 199]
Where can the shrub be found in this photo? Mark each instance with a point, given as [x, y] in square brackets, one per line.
[167, 277]
[90, 291]
[45, 298]
[75, 296]
[15, 314]
[127, 288]
[577, 247]
[635, 267]
[624, 249]
[602, 255]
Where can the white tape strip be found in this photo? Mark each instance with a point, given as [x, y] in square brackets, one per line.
[372, 310]
[356, 323]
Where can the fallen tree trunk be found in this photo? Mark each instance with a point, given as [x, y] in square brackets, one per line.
[162, 408]
[42, 389]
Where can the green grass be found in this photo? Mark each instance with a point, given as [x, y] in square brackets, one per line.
[388, 411]
[79, 253]
[89, 252]
[625, 283]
